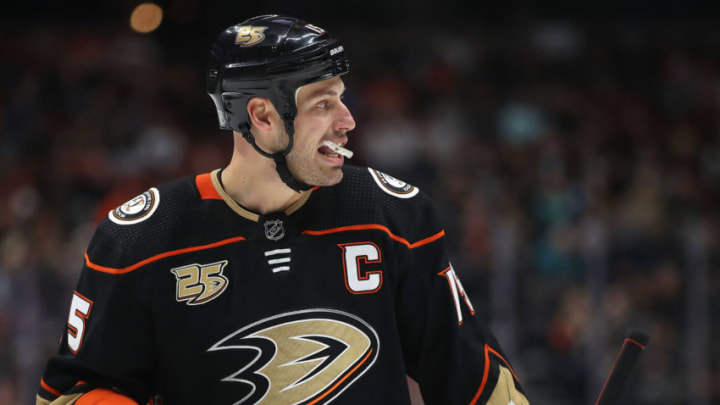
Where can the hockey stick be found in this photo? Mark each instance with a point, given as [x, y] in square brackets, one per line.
[633, 345]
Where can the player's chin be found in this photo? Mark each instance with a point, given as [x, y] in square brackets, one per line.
[330, 177]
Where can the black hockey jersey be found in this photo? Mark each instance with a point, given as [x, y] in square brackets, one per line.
[187, 296]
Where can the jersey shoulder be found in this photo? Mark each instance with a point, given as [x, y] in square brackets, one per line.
[379, 190]
[141, 227]
[370, 196]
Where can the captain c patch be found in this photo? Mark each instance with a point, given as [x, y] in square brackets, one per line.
[391, 185]
[136, 210]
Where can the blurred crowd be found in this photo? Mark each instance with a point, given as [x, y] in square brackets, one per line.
[576, 169]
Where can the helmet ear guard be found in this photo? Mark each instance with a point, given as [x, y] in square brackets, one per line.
[271, 57]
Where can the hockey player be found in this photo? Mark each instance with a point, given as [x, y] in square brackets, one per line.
[285, 278]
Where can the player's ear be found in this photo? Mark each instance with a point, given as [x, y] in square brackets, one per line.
[261, 113]
[267, 127]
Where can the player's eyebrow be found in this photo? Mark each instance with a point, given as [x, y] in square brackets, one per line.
[325, 92]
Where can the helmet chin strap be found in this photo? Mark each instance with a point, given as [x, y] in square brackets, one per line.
[281, 165]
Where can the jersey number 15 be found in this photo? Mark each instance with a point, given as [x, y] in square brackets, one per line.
[79, 311]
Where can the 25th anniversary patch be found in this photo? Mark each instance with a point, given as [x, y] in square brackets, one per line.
[137, 209]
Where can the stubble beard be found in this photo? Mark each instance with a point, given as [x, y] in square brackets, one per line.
[304, 167]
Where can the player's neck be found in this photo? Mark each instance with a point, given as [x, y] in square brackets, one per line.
[254, 183]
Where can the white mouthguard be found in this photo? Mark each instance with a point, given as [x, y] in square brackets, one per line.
[338, 149]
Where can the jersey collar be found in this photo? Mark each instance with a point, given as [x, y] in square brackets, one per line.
[244, 212]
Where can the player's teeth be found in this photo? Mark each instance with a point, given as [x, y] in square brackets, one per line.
[339, 149]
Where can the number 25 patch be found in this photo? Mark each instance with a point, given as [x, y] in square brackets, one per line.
[200, 283]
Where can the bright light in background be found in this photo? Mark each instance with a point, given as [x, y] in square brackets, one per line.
[146, 17]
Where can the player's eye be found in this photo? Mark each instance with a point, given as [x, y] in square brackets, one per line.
[323, 105]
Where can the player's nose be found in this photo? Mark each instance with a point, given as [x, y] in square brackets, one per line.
[345, 121]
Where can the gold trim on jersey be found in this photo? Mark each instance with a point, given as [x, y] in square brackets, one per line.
[229, 201]
[61, 400]
[305, 195]
[505, 392]
[247, 214]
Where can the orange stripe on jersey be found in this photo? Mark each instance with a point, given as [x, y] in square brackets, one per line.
[105, 397]
[486, 371]
[49, 388]
[206, 188]
[505, 361]
[159, 256]
[342, 379]
[383, 228]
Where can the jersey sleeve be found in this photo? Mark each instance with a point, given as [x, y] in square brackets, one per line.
[448, 349]
[107, 343]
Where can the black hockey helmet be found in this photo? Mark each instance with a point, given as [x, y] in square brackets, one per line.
[270, 56]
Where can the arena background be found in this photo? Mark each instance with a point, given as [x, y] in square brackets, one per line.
[572, 151]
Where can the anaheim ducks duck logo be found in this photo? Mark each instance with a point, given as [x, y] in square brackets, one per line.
[303, 357]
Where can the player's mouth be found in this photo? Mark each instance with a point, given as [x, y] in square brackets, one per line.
[334, 152]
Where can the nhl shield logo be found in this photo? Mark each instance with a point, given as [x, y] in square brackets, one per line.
[274, 229]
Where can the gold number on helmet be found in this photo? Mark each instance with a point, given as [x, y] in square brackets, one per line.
[248, 35]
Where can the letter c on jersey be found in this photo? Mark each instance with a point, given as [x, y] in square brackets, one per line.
[369, 253]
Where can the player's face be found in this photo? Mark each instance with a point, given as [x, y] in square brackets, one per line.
[322, 116]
